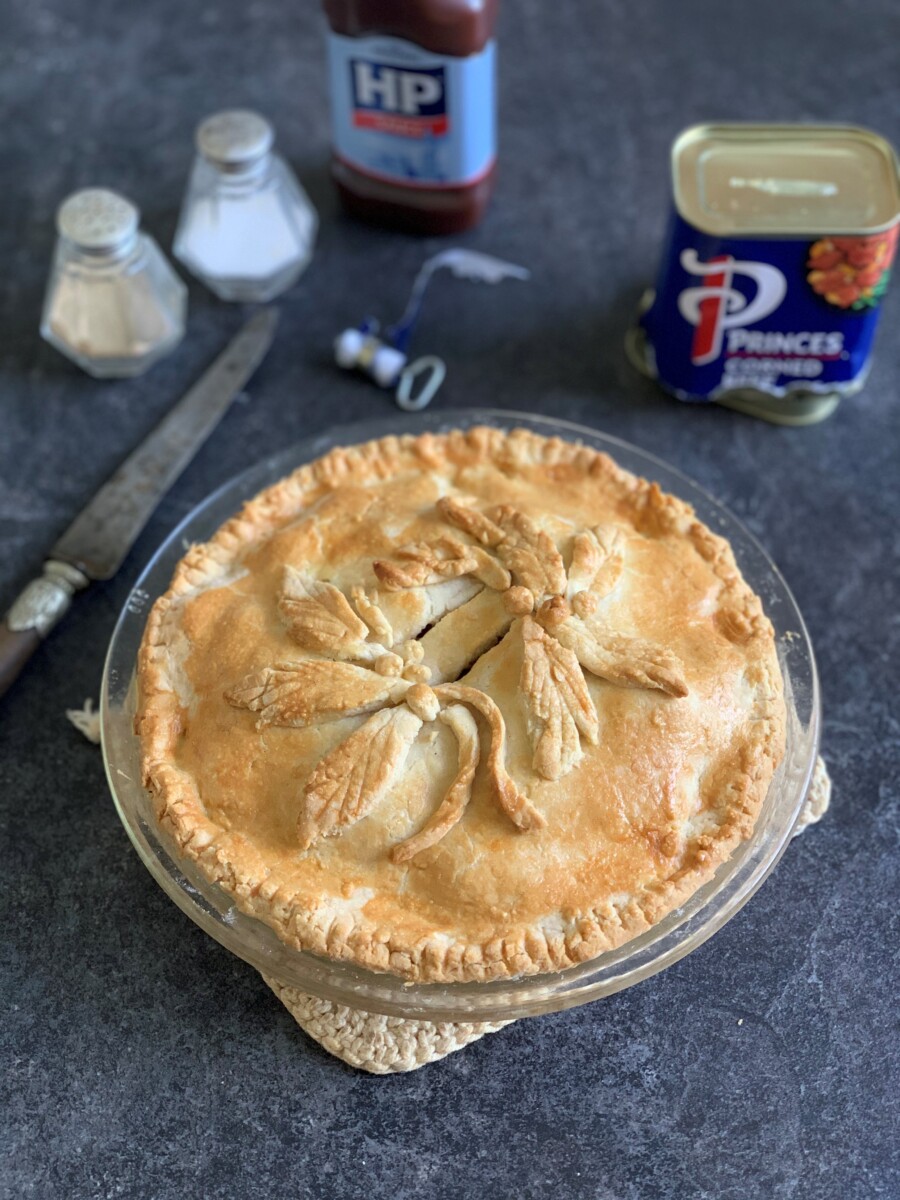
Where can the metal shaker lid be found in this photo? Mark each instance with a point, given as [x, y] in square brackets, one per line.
[97, 220]
[234, 139]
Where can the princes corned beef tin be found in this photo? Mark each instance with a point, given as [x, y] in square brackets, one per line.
[779, 253]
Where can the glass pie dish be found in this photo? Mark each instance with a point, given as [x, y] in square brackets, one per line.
[677, 934]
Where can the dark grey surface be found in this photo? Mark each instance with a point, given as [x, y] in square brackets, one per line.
[140, 1059]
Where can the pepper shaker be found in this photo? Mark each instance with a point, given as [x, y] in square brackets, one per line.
[247, 227]
[113, 304]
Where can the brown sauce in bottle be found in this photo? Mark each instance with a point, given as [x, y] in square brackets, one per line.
[413, 110]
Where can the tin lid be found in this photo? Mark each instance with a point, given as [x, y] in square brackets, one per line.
[235, 139]
[769, 180]
[97, 220]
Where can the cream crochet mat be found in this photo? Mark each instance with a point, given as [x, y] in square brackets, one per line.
[385, 1045]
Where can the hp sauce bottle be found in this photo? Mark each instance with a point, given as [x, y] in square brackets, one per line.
[413, 110]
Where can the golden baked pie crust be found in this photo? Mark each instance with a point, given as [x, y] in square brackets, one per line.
[629, 723]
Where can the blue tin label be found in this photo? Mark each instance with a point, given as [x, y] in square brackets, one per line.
[404, 115]
[770, 314]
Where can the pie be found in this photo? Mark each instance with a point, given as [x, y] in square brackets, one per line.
[461, 706]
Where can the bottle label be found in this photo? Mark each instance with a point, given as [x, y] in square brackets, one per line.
[402, 114]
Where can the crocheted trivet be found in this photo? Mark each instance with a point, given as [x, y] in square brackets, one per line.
[375, 1043]
[387, 1045]
[817, 798]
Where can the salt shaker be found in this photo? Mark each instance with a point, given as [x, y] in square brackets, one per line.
[247, 227]
[113, 304]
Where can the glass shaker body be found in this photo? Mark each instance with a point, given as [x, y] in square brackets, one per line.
[113, 310]
[246, 229]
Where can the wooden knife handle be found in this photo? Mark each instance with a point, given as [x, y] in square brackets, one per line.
[16, 647]
[43, 602]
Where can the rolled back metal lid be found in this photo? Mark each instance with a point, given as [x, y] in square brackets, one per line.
[783, 180]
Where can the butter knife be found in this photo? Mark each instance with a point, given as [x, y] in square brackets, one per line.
[97, 541]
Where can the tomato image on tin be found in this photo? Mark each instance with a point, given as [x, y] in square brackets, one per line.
[852, 272]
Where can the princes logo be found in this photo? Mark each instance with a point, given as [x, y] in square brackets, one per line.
[399, 101]
[717, 305]
[765, 314]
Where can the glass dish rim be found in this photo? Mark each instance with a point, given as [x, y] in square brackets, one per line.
[670, 939]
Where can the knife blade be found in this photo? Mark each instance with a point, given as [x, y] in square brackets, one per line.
[97, 541]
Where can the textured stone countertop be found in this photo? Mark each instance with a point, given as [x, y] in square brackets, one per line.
[139, 1058]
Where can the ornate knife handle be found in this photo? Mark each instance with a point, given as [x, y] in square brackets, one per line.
[37, 609]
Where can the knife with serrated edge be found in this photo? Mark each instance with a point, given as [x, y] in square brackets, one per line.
[97, 541]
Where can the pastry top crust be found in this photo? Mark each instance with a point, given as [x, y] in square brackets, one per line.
[460, 706]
